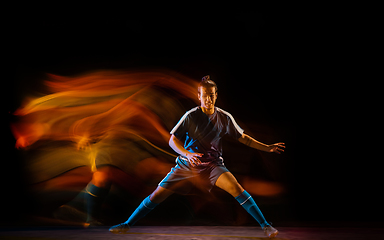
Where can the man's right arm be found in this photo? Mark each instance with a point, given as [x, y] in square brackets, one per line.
[177, 146]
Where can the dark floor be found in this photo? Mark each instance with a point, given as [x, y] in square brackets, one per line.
[190, 232]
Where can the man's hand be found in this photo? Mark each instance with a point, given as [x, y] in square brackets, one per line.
[177, 145]
[193, 158]
[277, 147]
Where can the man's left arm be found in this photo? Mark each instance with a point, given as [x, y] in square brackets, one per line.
[253, 143]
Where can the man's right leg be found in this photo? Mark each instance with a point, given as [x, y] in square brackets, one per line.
[147, 205]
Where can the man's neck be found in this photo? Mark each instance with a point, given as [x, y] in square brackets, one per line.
[208, 111]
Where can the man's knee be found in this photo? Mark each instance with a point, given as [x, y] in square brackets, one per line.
[235, 189]
[101, 179]
[160, 194]
[228, 183]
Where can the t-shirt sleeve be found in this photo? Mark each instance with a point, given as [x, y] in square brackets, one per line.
[181, 128]
[233, 129]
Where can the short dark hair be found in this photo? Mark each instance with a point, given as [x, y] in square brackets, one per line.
[206, 82]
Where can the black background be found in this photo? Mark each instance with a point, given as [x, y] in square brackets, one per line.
[291, 68]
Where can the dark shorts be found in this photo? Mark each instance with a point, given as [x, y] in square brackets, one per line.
[183, 177]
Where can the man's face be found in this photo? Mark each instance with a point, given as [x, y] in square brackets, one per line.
[207, 97]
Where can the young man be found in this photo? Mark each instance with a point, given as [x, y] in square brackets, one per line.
[197, 138]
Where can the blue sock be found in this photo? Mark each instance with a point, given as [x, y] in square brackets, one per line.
[94, 199]
[143, 209]
[247, 202]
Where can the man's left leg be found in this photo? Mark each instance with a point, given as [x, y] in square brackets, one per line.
[228, 183]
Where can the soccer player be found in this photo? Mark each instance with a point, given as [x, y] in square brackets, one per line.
[197, 138]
